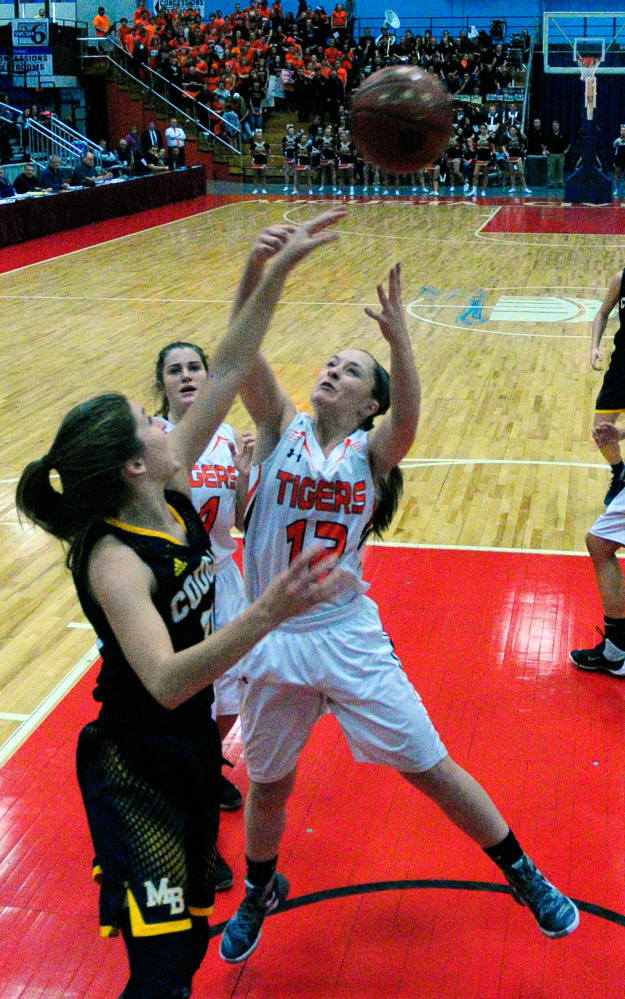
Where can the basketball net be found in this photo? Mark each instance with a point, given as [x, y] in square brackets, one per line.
[588, 69]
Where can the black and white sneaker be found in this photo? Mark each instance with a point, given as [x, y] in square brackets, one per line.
[595, 661]
[616, 486]
[242, 933]
[556, 915]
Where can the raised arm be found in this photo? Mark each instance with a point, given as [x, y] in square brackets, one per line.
[234, 357]
[391, 440]
[601, 319]
[270, 407]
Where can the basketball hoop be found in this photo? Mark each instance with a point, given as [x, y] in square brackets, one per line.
[588, 66]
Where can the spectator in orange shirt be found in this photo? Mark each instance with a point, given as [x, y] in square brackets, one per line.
[141, 14]
[332, 53]
[102, 24]
[123, 31]
[338, 22]
[150, 30]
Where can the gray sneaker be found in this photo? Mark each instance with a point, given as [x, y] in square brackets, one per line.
[556, 915]
[242, 933]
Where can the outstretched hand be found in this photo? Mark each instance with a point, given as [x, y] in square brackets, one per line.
[271, 241]
[309, 236]
[242, 460]
[309, 580]
[296, 241]
[391, 319]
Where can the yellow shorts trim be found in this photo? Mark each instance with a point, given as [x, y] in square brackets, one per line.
[201, 912]
[96, 873]
[606, 411]
[109, 931]
[140, 928]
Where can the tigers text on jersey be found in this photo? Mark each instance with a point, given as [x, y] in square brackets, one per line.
[298, 497]
[213, 491]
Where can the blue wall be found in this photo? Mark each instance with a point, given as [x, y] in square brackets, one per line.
[529, 10]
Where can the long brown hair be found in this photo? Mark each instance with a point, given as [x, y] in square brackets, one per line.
[93, 443]
[390, 488]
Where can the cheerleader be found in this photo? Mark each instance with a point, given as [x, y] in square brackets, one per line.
[289, 143]
[346, 160]
[514, 150]
[327, 161]
[303, 160]
[260, 158]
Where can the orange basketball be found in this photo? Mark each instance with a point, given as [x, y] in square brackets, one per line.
[401, 118]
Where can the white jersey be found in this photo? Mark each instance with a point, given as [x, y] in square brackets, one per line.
[213, 492]
[298, 497]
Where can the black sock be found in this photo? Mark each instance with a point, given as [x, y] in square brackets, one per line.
[618, 468]
[505, 853]
[615, 631]
[260, 872]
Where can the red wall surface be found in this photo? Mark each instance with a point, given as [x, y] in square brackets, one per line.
[123, 112]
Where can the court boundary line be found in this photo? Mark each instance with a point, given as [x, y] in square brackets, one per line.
[60, 691]
[488, 220]
[421, 545]
[433, 462]
[477, 235]
[373, 887]
[48, 705]
[116, 239]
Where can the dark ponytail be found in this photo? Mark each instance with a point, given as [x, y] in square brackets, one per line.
[389, 489]
[163, 402]
[93, 443]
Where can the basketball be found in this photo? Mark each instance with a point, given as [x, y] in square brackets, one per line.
[401, 118]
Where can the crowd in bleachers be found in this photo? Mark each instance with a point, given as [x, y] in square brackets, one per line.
[239, 64]
[244, 63]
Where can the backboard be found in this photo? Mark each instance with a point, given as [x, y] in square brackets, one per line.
[569, 36]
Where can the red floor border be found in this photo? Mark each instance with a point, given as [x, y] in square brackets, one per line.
[35, 251]
[590, 220]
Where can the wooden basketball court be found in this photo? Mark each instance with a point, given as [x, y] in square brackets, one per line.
[483, 585]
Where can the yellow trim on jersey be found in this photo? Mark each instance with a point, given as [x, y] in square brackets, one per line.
[146, 531]
[96, 872]
[201, 912]
[140, 928]
[109, 931]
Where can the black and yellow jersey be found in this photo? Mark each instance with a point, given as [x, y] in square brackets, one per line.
[184, 598]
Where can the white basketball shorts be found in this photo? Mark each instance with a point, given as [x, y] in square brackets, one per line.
[230, 601]
[611, 524]
[348, 667]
